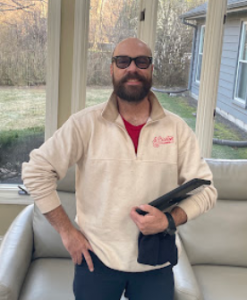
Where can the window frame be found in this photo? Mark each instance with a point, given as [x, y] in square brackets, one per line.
[237, 100]
[52, 90]
[54, 9]
[53, 67]
[80, 51]
[202, 29]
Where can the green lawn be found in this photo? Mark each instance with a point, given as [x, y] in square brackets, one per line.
[181, 107]
[22, 108]
[22, 111]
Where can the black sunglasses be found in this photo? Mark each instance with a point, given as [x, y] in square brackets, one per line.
[142, 62]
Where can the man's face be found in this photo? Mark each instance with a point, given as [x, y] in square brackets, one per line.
[131, 84]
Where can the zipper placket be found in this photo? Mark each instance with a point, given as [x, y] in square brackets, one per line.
[125, 132]
[141, 133]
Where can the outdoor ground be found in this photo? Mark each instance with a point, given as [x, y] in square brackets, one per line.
[22, 118]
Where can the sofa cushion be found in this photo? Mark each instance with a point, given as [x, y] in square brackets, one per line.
[219, 236]
[229, 178]
[67, 184]
[49, 279]
[219, 283]
[47, 242]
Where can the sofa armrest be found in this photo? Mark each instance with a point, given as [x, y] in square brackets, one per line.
[186, 286]
[16, 254]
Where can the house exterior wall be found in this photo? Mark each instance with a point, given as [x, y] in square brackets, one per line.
[226, 105]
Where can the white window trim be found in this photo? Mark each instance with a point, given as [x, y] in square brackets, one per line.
[9, 195]
[198, 81]
[239, 101]
[211, 61]
[53, 67]
[52, 95]
[147, 29]
[79, 73]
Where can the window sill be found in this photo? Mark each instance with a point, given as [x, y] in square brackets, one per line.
[239, 103]
[9, 195]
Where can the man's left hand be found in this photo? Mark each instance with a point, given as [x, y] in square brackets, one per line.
[153, 222]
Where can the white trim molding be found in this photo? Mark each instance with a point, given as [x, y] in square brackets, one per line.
[147, 27]
[239, 101]
[211, 60]
[11, 196]
[53, 63]
[79, 73]
[200, 52]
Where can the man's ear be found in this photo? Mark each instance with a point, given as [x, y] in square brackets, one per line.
[111, 69]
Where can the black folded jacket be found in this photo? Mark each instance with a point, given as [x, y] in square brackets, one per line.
[157, 249]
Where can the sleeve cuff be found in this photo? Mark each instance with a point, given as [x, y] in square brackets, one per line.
[48, 203]
[191, 207]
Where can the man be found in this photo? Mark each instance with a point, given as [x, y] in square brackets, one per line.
[128, 152]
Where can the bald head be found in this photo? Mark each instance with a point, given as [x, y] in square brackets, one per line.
[132, 47]
[132, 78]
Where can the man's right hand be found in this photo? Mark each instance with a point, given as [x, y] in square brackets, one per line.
[77, 246]
[74, 241]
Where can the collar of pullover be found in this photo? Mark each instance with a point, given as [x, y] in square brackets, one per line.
[111, 113]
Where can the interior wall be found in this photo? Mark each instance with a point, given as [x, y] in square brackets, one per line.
[8, 213]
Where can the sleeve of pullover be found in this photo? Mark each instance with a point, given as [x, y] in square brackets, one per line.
[192, 165]
[50, 163]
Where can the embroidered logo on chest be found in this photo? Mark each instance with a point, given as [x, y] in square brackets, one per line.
[162, 141]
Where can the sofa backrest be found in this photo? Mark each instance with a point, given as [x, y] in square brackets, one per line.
[219, 236]
[47, 242]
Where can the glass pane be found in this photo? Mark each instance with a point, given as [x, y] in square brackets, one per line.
[110, 22]
[242, 82]
[175, 64]
[23, 51]
[202, 39]
[199, 67]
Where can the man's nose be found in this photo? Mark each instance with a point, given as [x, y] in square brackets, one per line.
[132, 67]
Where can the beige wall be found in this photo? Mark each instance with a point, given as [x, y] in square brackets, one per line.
[8, 212]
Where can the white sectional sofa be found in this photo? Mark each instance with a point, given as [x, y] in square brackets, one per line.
[34, 265]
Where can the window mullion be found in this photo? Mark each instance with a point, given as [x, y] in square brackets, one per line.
[210, 74]
[147, 26]
[53, 67]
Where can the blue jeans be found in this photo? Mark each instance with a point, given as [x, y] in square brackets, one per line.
[108, 284]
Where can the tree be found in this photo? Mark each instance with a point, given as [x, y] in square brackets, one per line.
[23, 42]
[173, 43]
[110, 22]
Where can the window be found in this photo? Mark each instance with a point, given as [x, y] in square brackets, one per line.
[200, 54]
[23, 54]
[110, 22]
[241, 82]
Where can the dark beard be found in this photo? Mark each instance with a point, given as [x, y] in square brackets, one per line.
[132, 93]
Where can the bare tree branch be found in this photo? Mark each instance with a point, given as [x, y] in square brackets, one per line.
[10, 7]
[5, 22]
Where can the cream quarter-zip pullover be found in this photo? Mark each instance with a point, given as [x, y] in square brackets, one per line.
[111, 178]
